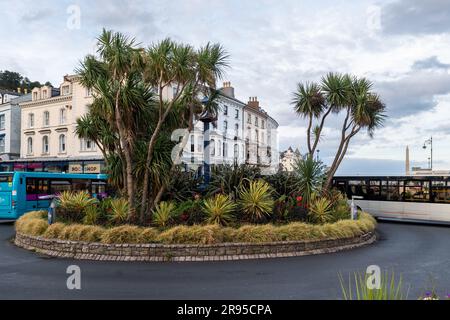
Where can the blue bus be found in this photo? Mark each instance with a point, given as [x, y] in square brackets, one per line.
[21, 192]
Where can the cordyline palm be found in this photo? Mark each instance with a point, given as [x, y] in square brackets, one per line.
[119, 94]
[364, 111]
[309, 103]
[171, 64]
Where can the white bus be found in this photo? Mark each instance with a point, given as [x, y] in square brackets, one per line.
[408, 198]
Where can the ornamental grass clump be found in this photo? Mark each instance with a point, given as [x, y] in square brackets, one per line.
[53, 231]
[208, 234]
[122, 234]
[148, 235]
[361, 287]
[32, 223]
[80, 232]
[257, 234]
[256, 201]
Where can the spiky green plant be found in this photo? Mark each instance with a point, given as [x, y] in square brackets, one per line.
[391, 288]
[91, 215]
[163, 213]
[219, 209]
[256, 201]
[119, 208]
[320, 210]
[72, 205]
[311, 175]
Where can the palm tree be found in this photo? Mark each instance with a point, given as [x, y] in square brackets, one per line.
[116, 80]
[309, 103]
[364, 111]
[171, 64]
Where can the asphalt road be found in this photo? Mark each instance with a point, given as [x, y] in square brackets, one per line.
[420, 252]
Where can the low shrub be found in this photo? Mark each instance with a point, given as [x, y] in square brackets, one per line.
[190, 212]
[119, 210]
[257, 234]
[208, 234]
[53, 231]
[33, 227]
[79, 232]
[148, 235]
[34, 224]
[122, 234]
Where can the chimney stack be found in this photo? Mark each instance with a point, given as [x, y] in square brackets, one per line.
[18, 90]
[25, 90]
[253, 102]
[227, 89]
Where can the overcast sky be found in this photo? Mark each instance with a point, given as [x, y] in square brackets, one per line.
[402, 46]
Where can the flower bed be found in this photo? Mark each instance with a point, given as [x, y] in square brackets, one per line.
[186, 243]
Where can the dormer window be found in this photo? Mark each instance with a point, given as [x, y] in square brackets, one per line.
[65, 90]
[35, 96]
[44, 94]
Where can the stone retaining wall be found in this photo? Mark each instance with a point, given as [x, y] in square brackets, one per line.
[188, 252]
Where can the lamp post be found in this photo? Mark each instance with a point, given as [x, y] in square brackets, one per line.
[206, 117]
[318, 153]
[429, 142]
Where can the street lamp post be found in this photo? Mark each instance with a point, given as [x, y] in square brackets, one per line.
[206, 117]
[318, 153]
[430, 142]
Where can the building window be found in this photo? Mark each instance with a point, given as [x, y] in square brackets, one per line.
[192, 144]
[62, 143]
[236, 152]
[262, 124]
[2, 144]
[45, 147]
[30, 145]
[35, 96]
[62, 116]
[225, 110]
[65, 90]
[224, 149]
[44, 94]
[87, 145]
[31, 120]
[225, 126]
[249, 120]
[2, 122]
[220, 148]
[175, 91]
[236, 114]
[236, 130]
[88, 92]
[212, 147]
[46, 118]
[256, 121]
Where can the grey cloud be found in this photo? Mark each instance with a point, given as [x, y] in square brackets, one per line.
[416, 17]
[413, 93]
[430, 63]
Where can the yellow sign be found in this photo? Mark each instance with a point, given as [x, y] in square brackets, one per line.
[92, 168]
[75, 168]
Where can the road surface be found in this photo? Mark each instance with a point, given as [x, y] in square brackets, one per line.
[420, 252]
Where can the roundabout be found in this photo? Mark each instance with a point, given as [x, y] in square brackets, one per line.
[418, 252]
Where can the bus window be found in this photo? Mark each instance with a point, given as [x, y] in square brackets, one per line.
[393, 193]
[31, 189]
[80, 185]
[340, 185]
[6, 178]
[441, 191]
[417, 191]
[58, 186]
[357, 188]
[374, 190]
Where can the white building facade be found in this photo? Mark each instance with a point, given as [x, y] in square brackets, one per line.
[10, 128]
[6, 96]
[48, 124]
